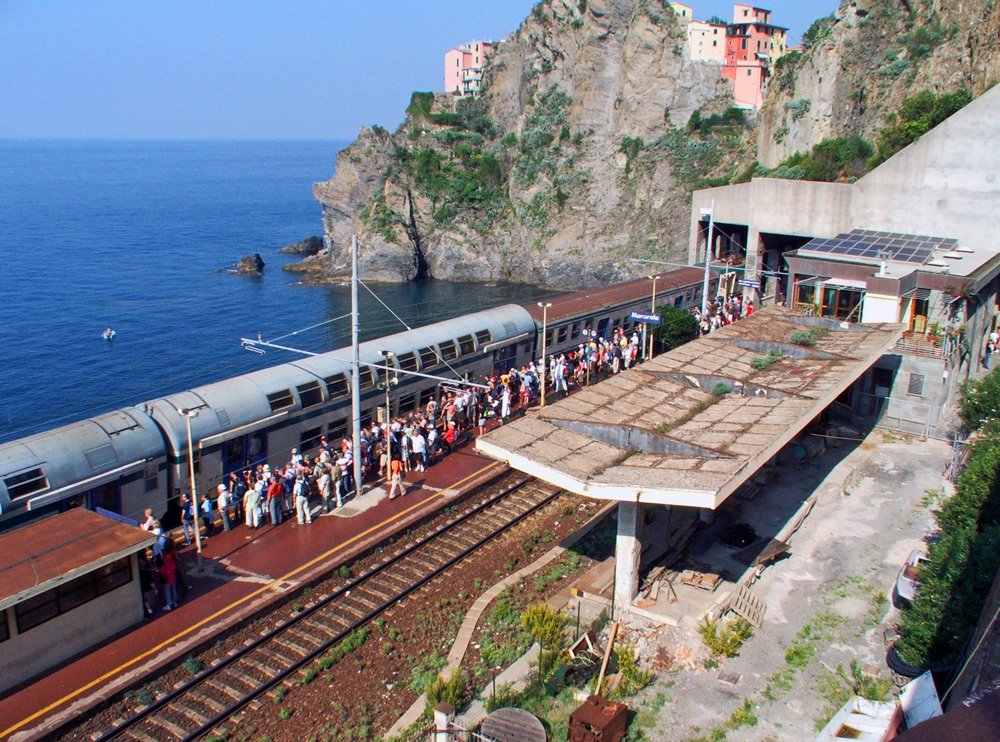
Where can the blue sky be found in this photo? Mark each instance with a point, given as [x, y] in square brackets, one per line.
[254, 69]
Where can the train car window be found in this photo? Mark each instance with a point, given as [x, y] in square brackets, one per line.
[336, 431]
[367, 377]
[310, 439]
[310, 394]
[407, 403]
[428, 357]
[407, 362]
[602, 328]
[617, 323]
[4, 629]
[26, 483]
[281, 400]
[449, 350]
[483, 337]
[679, 301]
[574, 331]
[366, 419]
[466, 344]
[548, 338]
[562, 334]
[336, 386]
[152, 479]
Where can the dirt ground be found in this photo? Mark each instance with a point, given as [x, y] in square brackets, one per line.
[826, 604]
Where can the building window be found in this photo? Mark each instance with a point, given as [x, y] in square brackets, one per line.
[744, 44]
[715, 43]
[749, 72]
[64, 598]
[915, 385]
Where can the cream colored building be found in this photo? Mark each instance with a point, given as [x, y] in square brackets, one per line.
[707, 41]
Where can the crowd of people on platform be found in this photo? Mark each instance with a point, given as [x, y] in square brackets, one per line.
[722, 312]
[411, 442]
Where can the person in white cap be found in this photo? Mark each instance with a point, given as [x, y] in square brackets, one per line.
[223, 503]
[296, 458]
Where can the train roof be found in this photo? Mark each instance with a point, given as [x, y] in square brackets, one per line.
[259, 398]
[43, 467]
[591, 301]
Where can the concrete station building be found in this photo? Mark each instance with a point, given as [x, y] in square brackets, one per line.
[72, 581]
[912, 242]
[895, 276]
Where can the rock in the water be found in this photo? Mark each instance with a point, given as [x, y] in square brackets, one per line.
[251, 265]
[307, 247]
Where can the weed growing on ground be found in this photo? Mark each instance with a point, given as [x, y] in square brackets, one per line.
[726, 639]
[193, 665]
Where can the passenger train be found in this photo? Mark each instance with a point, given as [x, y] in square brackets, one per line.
[136, 458]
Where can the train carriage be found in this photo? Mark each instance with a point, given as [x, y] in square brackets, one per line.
[114, 461]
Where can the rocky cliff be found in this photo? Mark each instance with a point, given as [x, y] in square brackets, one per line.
[579, 156]
[866, 59]
[539, 180]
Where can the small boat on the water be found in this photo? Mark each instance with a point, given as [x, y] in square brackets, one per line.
[108, 334]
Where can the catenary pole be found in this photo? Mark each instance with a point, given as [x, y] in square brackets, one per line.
[708, 259]
[355, 369]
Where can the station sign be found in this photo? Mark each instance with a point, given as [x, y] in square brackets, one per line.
[650, 318]
[749, 283]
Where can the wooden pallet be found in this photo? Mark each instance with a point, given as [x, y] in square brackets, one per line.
[704, 580]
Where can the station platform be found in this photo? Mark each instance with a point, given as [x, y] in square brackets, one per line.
[243, 571]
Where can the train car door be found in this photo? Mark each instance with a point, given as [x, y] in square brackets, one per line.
[244, 451]
[107, 497]
[505, 358]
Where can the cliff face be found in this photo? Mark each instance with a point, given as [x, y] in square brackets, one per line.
[870, 57]
[577, 158]
[560, 202]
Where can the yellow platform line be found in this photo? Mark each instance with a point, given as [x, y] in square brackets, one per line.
[194, 627]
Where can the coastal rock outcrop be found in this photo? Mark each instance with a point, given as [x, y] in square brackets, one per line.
[543, 179]
[250, 265]
[307, 247]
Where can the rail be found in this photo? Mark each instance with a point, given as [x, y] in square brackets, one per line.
[336, 615]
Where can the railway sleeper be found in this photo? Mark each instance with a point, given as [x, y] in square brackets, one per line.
[208, 702]
[171, 727]
[186, 708]
[368, 601]
[345, 606]
[275, 658]
[267, 670]
[289, 643]
[139, 736]
[316, 628]
[303, 638]
[228, 686]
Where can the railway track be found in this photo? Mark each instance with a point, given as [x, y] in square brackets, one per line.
[219, 692]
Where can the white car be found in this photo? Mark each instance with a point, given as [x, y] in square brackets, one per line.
[909, 576]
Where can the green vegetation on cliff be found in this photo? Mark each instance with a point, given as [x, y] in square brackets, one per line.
[917, 116]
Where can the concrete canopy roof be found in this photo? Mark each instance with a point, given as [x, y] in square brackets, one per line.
[658, 434]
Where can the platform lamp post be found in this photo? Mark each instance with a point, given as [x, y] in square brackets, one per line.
[652, 308]
[188, 413]
[386, 384]
[710, 213]
[545, 319]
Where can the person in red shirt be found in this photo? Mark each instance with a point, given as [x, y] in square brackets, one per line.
[275, 500]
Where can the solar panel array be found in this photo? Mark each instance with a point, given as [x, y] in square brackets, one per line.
[872, 245]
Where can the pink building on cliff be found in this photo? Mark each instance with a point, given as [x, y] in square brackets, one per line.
[463, 67]
[753, 44]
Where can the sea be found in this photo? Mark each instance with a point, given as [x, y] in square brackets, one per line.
[137, 236]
